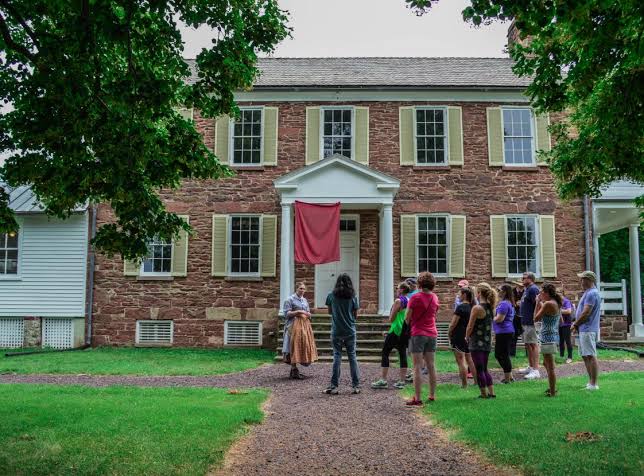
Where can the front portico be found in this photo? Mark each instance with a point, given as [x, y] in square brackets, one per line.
[357, 187]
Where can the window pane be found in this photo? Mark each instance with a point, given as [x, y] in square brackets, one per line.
[12, 241]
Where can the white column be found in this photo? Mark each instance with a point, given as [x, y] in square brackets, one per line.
[596, 257]
[381, 264]
[637, 329]
[387, 253]
[286, 252]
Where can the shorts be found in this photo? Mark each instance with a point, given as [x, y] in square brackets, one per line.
[588, 344]
[549, 348]
[422, 344]
[530, 335]
[459, 345]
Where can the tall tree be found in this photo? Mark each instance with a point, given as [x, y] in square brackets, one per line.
[95, 87]
[586, 58]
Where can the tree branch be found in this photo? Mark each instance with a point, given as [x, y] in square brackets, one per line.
[22, 21]
[17, 47]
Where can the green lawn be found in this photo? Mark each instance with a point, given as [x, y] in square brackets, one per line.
[523, 428]
[138, 361]
[120, 430]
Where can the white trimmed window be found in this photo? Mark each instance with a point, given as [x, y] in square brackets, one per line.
[518, 136]
[9, 254]
[523, 244]
[430, 133]
[247, 137]
[158, 261]
[245, 244]
[337, 132]
[433, 244]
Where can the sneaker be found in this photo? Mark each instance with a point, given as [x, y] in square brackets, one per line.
[380, 384]
[569, 361]
[533, 375]
[424, 371]
[331, 390]
[431, 399]
[592, 387]
[409, 378]
[414, 403]
[399, 385]
[469, 375]
[526, 370]
[356, 390]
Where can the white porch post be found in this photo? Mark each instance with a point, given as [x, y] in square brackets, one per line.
[381, 265]
[637, 329]
[386, 291]
[286, 252]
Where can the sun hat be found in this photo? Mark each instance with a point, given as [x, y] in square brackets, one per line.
[463, 283]
[410, 280]
[588, 275]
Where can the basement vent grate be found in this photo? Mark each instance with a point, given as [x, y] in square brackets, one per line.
[12, 332]
[57, 333]
[242, 333]
[154, 332]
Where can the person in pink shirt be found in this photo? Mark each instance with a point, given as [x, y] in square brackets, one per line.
[421, 318]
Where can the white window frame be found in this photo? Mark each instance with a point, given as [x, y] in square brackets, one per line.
[448, 226]
[137, 334]
[142, 271]
[353, 127]
[445, 131]
[533, 132]
[231, 138]
[17, 276]
[229, 231]
[537, 235]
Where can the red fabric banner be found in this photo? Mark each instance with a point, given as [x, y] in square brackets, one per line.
[317, 232]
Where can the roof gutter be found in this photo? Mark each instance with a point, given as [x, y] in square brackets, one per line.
[384, 88]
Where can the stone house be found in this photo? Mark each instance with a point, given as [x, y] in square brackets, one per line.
[43, 276]
[434, 162]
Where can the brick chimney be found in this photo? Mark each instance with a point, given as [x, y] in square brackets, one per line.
[514, 36]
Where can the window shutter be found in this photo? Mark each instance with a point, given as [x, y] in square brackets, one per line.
[131, 267]
[269, 244]
[408, 245]
[312, 135]
[186, 112]
[222, 126]
[180, 252]
[362, 135]
[270, 135]
[455, 135]
[498, 238]
[495, 136]
[457, 246]
[548, 246]
[219, 245]
[542, 136]
[406, 126]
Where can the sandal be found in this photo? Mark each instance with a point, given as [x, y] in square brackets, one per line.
[548, 394]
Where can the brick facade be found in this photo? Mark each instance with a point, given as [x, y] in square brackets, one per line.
[199, 303]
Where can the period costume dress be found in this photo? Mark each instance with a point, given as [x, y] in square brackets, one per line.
[299, 343]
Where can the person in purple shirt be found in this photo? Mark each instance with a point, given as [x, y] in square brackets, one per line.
[504, 331]
[587, 322]
[565, 341]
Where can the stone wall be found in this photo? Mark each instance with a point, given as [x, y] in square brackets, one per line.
[33, 331]
[199, 303]
[613, 327]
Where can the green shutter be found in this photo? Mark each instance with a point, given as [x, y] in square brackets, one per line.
[407, 245]
[222, 126]
[219, 244]
[269, 245]
[312, 135]
[270, 135]
[180, 252]
[362, 135]
[542, 136]
[498, 238]
[457, 246]
[495, 136]
[186, 112]
[131, 268]
[455, 135]
[548, 246]
[406, 126]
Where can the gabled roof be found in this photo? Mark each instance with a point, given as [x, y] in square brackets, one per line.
[23, 200]
[386, 73]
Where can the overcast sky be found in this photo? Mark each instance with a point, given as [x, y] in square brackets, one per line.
[376, 28]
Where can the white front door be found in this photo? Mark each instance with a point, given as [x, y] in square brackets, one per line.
[327, 274]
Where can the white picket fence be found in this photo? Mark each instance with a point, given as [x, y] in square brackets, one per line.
[614, 298]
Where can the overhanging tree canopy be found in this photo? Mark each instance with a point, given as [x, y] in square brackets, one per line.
[95, 86]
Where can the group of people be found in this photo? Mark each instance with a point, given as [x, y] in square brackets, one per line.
[544, 317]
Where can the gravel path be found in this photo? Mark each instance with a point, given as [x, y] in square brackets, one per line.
[307, 432]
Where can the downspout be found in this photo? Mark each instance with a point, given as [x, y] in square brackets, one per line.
[587, 237]
[92, 260]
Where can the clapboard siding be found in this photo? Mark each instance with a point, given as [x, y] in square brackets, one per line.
[52, 269]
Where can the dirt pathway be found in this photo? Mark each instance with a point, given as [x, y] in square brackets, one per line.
[307, 432]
